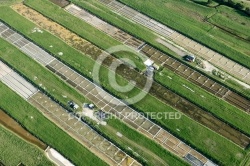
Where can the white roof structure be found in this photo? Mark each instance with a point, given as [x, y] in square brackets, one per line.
[148, 62]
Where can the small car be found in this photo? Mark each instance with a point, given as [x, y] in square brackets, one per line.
[189, 58]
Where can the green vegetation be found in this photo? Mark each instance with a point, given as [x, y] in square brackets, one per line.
[205, 100]
[135, 29]
[191, 22]
[241, 5]
[134, 144]
[223, 110]
[191, 131]
[43, 128]
[209, 106]
[23, 64]
[8, 2]
[227, 19]
[41, 77]
[86, 32]
[246, 160]
[145, 148]
[15, 150]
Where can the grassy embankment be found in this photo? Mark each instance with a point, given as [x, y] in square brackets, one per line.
[15, 150]
[42, 128]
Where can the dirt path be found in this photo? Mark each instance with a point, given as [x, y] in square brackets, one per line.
[12, 125]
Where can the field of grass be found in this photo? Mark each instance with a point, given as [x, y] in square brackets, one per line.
[208, 102]
[191, 131]
[233, 3]
[148, 150]
[232, 21]
[240, 44]
[38, 75]
[44, 129]
[16, 59]
[47, 77]
[167, 156]
[104, 13]
[88, 32]
[8, 2]
[190, 18]
[246, 160]
[15, 150]
[223, 110]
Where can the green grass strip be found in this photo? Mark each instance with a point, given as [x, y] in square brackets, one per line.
[15, 150]
[44, 129]
[210, 103]
[224, 110]
[57, 88]
[205, 100]
[139, 31]
[176, 14]
[191, 131]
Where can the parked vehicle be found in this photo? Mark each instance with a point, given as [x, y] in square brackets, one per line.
[189, 58]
